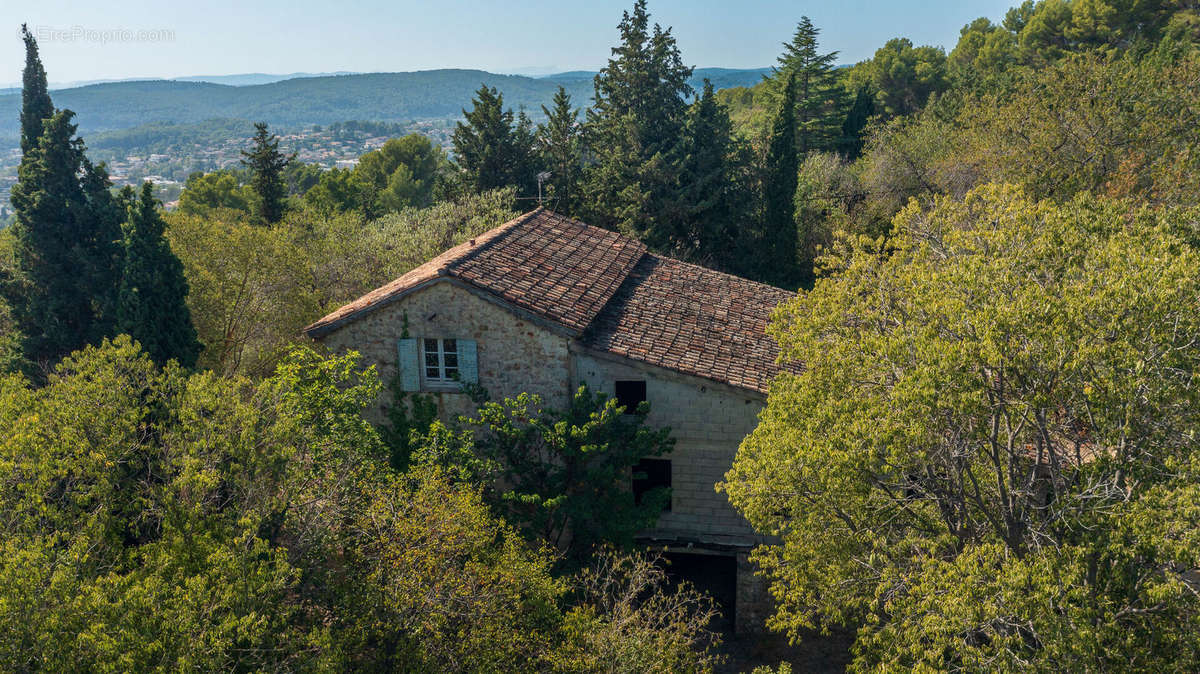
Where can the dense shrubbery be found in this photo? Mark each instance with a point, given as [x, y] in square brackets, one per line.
[198, 521]
[989, 461]
[253, 288]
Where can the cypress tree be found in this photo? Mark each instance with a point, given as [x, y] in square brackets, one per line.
[35, 94]
[707, 185]
[634, 133]
[101, 266]
[818, 98]
[66, 234]
[779, 190]
[52, 300]
[151, 303]
[851, 143]
[266, 165]
[559, 144]
[492, 148]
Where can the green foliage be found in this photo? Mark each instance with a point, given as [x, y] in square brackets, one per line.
[492, 148]
[156, 520]
[561, 477]
[266, 164]
[903, 77]
[633, 133]
[151, 302]
[850, 143]
[988, 461]
[409, 418]
[1122, 126]
[337, 191]
[36, 106]
[816, 97]
[778, 235]
[559, 142]
[301, 177]
[400, 174]
[205, 192]
[66, 247]
[252, 289]
[715, 206]
[625, 622]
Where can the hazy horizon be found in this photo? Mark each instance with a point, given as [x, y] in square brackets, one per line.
[142, 40]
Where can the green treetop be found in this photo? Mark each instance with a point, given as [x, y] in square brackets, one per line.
[151, 304]
[709, 188]
[817, 97]
[989, 461]
[559, 143]
[65, 246]
[492, 147]
[35, 95]
[401, 174]
[634, 132]
[778, 234]
[266, 165]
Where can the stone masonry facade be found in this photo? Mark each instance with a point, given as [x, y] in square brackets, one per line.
[629, 316]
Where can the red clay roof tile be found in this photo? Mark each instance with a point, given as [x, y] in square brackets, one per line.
[607, 290]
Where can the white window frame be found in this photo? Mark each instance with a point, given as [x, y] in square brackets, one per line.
[443, 379]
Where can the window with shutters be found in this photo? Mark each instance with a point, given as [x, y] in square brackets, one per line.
[437, 364]
[440, 360]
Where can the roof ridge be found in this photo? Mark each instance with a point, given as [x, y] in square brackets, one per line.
[718, 272]
[496, 234]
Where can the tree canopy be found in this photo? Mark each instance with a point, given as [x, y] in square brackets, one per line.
[988, 460]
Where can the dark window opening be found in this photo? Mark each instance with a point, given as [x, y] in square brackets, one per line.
[650, 474]
[630, 394]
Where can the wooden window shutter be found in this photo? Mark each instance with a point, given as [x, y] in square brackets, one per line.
[468, 361]
[409, 365]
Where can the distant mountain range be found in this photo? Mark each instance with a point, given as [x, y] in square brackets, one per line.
[300, 98]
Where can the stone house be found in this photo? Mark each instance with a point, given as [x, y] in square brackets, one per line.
[543, 303]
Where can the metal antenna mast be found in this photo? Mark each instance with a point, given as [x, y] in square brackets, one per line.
[541, 178]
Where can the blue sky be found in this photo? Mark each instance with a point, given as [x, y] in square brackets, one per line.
[133, 38]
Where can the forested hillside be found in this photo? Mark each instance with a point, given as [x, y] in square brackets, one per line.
[387, 97]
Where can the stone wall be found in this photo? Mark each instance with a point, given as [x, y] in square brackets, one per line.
[515, 355]
[708, 421]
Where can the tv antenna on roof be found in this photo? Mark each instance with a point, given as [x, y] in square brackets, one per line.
[541, 178]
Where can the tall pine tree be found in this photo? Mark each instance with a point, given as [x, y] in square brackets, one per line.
[492, 147]
[51, 299]
[819, 106]
[559, 144]
[35, 95]
[634, 133]
[266, 165]
[778, 241]
[151, 304]
[708, 189]
[66, 235]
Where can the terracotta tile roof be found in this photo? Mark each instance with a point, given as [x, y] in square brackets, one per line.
[551, 265]
[554, 266]
[608, 291]
[694, 320]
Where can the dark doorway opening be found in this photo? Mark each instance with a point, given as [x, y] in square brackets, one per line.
[714, 575]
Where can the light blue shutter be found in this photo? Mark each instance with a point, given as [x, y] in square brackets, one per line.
[468, 361]
[409, 366]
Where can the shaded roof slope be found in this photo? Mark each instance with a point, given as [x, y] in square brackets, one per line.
[694, 320]
[545, 263]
